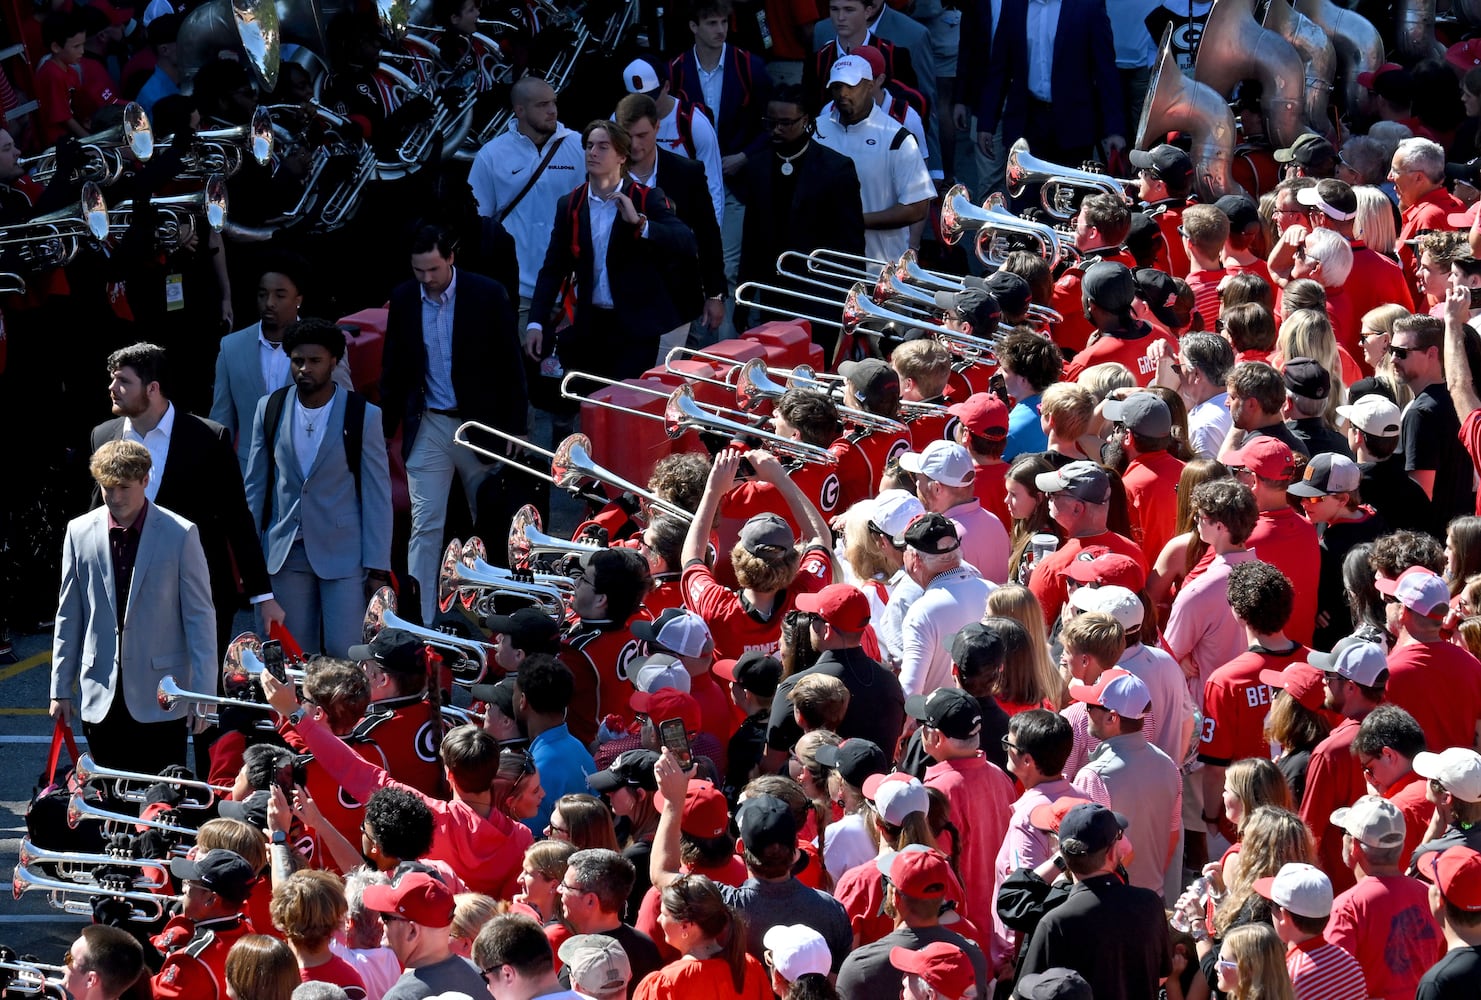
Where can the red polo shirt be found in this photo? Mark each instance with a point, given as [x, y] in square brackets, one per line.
[1429, 212]
[1151, 483]
[1289, 542]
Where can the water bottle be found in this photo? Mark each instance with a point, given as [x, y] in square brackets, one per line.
[1199, 888]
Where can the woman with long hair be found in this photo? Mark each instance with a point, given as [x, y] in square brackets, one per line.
[794, 646]
[1462, 552]
[582, 821]
[1374, 333]
[1307, 333]
[1252, 965]
[259, 967]
[540, 878]
[1248, 784]
[1363, 599]
[812, 775]
[1029, 678]
[711, 940]
[517, 791]
[1029, 507]
[1185, 549]
[1298, 723]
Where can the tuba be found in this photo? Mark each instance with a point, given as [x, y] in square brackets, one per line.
[1414, 30]
[1178, 102]
[1317, 52]
[1359, 46]
[248, 28]
[1235, 47]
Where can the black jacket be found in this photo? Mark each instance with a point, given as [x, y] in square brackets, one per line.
[202, 482]
[825, 211]
[685, 182]
[487, 370]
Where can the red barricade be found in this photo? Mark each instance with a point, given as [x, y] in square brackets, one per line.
[365, 341]
[625, 443]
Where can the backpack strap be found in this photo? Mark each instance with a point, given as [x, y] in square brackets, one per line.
[354, 435]
[271, 417]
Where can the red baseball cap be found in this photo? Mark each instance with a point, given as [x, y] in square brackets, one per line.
[1466, 219]
[1457, 872]
[706, 814]
[919, 874]
[983, 413]
[1464, 56]
[1048, 816]
[841, 605]
[1266, 457]
[1366, 80]
[669, 703]
[1301, 681]
[942, 965]
[1102, 567]
[417, 896]
[872, 56]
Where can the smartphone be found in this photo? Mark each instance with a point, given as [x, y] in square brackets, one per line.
[672, 735]
[272, 660]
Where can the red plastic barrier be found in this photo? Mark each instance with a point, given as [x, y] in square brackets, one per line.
[624, 443]
[788, 343]
[365, 341]
[693, 372]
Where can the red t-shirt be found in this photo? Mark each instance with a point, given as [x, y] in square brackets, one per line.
[1047, 583]
[1470, 439]
[734, 624]
[1173, 259]
[1408, 794]
[709, 977]
[1385, 923]
[56, 84]
[991, 489]
[336, 971]
[1205, 286]
[1375, 280]
[1288, 541]
[1259, 267]
[733, 872]
[1151, 483]
[1438, 683]
[1129, 351]
[1235, 704]
[1334, 780]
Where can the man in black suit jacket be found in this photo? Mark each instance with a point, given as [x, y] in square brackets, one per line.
[623, 304]
[685, 182]
[451, 355]
[799, 195]
[199, 479]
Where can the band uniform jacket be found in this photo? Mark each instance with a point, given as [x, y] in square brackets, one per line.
[487, 362]
[637, 266]
[169, 626]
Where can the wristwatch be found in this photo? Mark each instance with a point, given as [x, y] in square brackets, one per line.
[279, 838]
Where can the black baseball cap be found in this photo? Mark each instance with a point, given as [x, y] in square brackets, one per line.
[1168, 162]
[529, 630]
[500, 695]
[933, 534]
[226, 873]
[855, 760]
[393, 649]
[251, 810]
[974, 303]
[1143, 237]
[765, 821]
[630, 769]
[1090, 827]
[975, 647]
[755, 671]
[1011, 290]
[1241, 209]
[1110, 285]
[1305, 377]
[873, 381]
[951, 710]
[1158, 290]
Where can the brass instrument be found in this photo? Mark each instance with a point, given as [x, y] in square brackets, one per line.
[70, 897]
[250, 28]
[526, 540]
[1317, 54]
[82, 869]
[53, 240]
[170, 694]
[87, 771]
[177, 213]
[32, 979]
[1061, 188]
[470, 658]
[80, 810]
[1235, 47]
[754, 386]
[456, 578]
[684, 413]
[105, 151]
[1176, 101]
[1358, 43]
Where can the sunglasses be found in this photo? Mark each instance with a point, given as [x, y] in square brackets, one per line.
[1400, 353]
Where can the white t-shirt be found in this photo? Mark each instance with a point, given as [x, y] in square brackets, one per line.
[890, 173]
[846, 845]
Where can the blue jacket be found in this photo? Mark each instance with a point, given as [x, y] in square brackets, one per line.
[743, 97]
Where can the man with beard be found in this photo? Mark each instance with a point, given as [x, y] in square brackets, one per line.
[252, 362]
[194, 476]
[319, 486]
[799, 194]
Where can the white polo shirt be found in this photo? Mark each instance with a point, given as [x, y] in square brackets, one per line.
[887, 176]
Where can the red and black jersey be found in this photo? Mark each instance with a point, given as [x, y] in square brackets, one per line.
[195, 957]
[934, 425]
[408, 737]
[832, 489]
[1074, 330]
[878, 448]
[736, 626]
[598, 653]
[664, 595]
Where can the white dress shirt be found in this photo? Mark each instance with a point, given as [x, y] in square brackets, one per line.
[711, 81]
[157, 441]
[603, 215]
[274, 360]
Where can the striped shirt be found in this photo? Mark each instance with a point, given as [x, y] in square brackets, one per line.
[1205, 286]
[1323, 971]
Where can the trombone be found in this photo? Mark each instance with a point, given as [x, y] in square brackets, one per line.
[683, 413]
[754, 386]
[859, 308]
[87, 770]
[170, 694]
[476, 561]
[31, 979]
[69, 897]
[82, 868]
[381, 613]
[456, 577]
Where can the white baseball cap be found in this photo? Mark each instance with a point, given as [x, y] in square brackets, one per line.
[1458, 769]
[850, 71]
[797, 950]
[893, 512]
[1118, 602]
[1373, 414]
[1301, 888]
[944, 461]
[658, 671]
[896, 796]
[676, 630]
[1372, 821]
[640, 77]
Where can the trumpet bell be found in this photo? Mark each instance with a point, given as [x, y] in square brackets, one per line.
[447, 575]
[381, 602]
[572, 456]
[216, 202]
[519, 544]
[95, 211]
[262, 135]
[956, 214]
[237, 674]
[137, 133]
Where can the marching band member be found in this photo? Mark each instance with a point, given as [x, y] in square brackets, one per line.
[874, 386]
[215, 887]
[924, 366]
[599, 644]
[1164, 181]
[1101, 226]
[403, 719]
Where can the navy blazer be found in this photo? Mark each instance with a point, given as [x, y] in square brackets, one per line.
[686, 183]
[982, 83]
[639, 268]
[744, 93]
[487, 362]
[1085, 83]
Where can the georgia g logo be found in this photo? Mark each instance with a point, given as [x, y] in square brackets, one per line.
[829, 493]
[426, 742]
[949, 433]
[626, 656]
[900, 447]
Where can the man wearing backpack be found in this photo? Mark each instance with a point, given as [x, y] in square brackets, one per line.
[324, 507]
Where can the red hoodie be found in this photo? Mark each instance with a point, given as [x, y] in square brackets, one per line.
[485, 851]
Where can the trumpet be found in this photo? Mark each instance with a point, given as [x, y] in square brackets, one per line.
[683, 413]
[32, 979]
[455, 577]
[754, 386]
[381, 614]
[223, 150]
[105, 162]
[69, 897]
[170, 693]
[1063, 188]
[478, 563]
[87, 770]
[82, 868]
[54, 239]
[80, 810]
[526, 540]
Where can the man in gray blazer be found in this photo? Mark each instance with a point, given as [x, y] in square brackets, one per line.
[326, 528]
[135, 607]
[252, 362]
